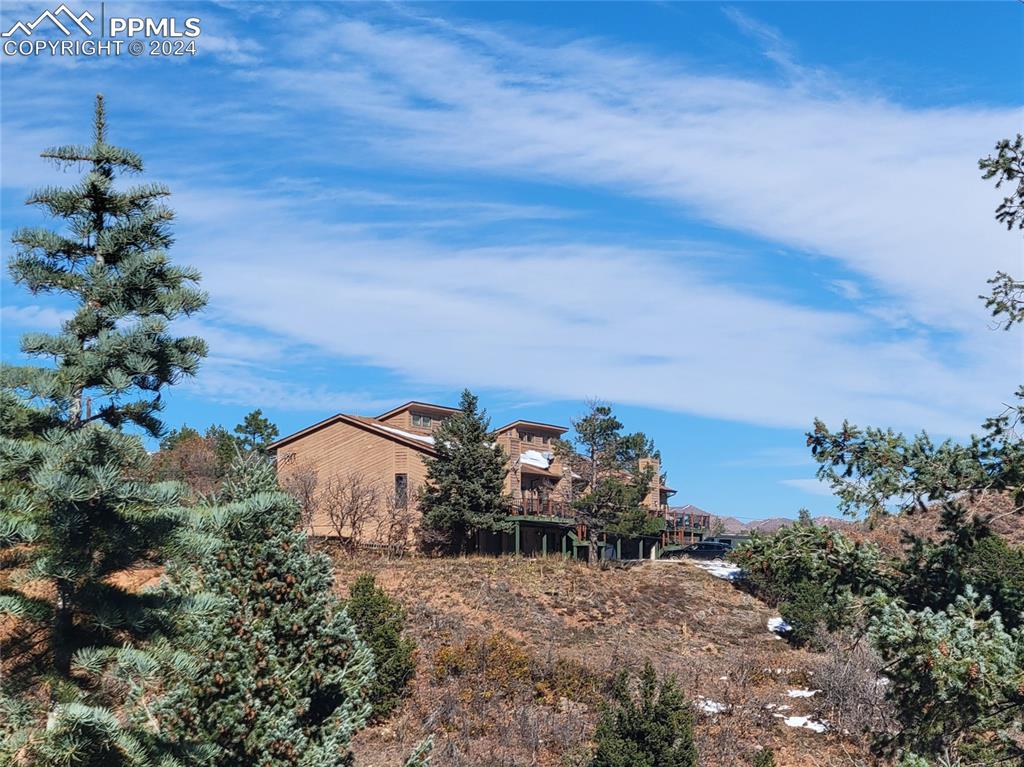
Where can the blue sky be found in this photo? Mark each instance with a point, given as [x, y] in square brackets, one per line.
[726, 219]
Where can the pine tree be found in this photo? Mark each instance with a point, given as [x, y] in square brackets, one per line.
[74, 511]
[1007, 167]
[256, 433]
[283, 679]
[616, 490]
[955, 675]
[653, 728]
[955, 670]
[465, 479]
[380, 622]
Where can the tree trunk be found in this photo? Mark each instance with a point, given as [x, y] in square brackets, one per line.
[61, 641]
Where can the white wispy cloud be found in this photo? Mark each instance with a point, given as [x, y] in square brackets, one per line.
[567, 320]
[810, 486]
[890, 192]
[36, 318]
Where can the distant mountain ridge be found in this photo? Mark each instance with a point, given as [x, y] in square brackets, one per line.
[734, 526]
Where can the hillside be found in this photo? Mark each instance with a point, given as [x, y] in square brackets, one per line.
[516, 654]
[997, 508]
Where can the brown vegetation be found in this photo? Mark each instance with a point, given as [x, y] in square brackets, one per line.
[516, 655]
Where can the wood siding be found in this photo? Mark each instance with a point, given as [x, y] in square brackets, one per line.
[342, 449]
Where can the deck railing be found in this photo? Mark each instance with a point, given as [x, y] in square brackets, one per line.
[536, 507]
[689, 522]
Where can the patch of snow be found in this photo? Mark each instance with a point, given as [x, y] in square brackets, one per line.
[776, 706]
[778, 626]
[407, 434]
[711, 706]
[720, 569]
[802, 693]
[723, 678]
[804, 722]
[536, 458]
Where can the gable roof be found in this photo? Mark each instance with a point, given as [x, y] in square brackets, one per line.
[421, 442]
[416, 403]
[534, 424]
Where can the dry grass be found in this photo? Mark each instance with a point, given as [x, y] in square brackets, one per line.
[515, 657]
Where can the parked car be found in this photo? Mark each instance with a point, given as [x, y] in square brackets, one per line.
[706, 550]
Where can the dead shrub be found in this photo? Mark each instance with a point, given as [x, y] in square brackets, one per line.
[851, 685]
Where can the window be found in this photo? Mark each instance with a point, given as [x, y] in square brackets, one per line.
[401, 491]
[424, 421]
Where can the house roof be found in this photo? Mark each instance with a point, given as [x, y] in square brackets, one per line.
[535, 425]
[420, 442]
[417, 404]
[526, 468]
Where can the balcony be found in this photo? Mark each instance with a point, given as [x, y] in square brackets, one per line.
[688, 522]
[536, 507]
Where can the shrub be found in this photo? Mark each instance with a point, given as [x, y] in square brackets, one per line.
[653, 728]
[996, 570]
[380, 622]
[810, 607]
[498, 658]
[764, 758]
[812, 573]
[956, 677]
[281, 677]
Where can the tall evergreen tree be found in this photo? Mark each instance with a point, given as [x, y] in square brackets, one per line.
[256, 432]
[465, 479]
[616, 489]
[73, 511]
[598, 437]
[283, 679]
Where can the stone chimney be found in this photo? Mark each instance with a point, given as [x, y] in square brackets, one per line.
[653, 499]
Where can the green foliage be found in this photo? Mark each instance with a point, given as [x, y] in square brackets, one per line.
[653, 728]
[955, 676]
[1007, 166]
[616, 489]
[282, 677]
[996, 570]
[256, 433]
[1006, 301]
[465, 479]
[954, 667]
[813, 574]
[379, 620]
[764, 758]
[616, 505]
[598, 435]
[74, 511]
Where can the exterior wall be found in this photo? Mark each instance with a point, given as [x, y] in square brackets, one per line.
[513, 447]
[403, 419]
[342, 449]
[653, 499]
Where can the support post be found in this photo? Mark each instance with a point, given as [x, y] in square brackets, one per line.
[544, 545]
[565, 548]
[641, 548]
[618, 548]
[517, 538]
